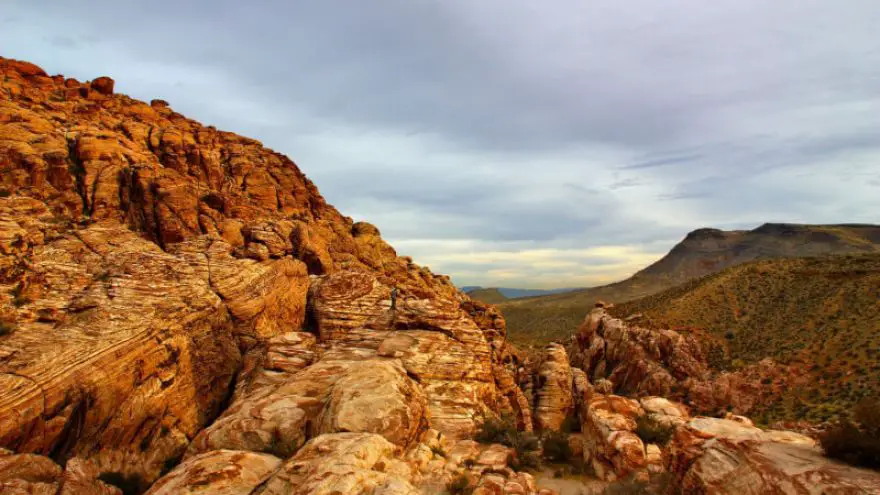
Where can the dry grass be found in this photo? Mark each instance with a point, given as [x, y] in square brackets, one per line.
[535, 321]
[821, 313]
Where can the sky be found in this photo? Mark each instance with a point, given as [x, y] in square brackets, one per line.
[514, 143]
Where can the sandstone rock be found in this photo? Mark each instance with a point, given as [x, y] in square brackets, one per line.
[142, 254]
[554, 389]
[611, 446]
[711, 455]
[220, 472]
[36, 474]
[374, 396]
[664, 411]
[650, 362]
[103, 85]
[341, 463]
[434, 339]
[101, 362]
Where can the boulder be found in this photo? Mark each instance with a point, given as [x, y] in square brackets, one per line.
[103, 85]
[554, 389]
[219, 472]
[710, 455]
[350, 463]
[374, 396]
[611, 446]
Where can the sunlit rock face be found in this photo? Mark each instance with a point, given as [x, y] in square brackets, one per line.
[173, 292]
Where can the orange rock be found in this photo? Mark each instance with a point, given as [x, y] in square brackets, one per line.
[103, 85]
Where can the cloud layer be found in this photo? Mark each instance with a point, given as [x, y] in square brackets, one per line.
[515, 143]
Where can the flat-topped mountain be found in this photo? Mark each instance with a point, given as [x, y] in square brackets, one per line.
[701, 252]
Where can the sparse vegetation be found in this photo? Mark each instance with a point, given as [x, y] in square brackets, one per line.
[130, 484]
[503, 430]
[651, 431]
[656, 484]
[4, 193]
[460, 485]
[555, 447]
[856, 442]
[821, 314]
[6, 328]
[19, 298]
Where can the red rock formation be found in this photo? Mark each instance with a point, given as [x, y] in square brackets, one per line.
[148, 262]
[554, 389]
[649, 362]
[710, 455]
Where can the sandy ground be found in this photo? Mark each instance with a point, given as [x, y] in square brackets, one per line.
[569, 485]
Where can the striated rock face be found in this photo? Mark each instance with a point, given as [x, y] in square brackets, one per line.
[22, 474]
[343, 463]
[220, 472]
[649, 362]
[168, 291]
[710, 455]
[611, 446]
[106, 333]
[435, 340]
[555, 385]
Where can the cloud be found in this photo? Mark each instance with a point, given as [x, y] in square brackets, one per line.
[512, 128]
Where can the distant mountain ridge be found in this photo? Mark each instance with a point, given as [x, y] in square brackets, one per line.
[702, 252]
[503, 293]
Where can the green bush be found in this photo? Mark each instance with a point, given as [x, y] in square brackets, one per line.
[651, 431]
[556, 448]
[856, 443]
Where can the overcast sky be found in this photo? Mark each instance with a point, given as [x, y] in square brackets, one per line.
[510, 142]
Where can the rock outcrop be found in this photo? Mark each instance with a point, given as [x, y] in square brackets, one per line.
[554, 389]
[709, 455]
[221, 472]
[661, 362]
[611, 446]
[169, 290]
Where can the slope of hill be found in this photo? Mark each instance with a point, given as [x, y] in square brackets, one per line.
[513, 293]
[490, 296]
[702, 252]
[819, 313]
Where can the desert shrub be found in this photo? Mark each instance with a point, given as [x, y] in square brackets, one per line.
[556, 448]
[498, 430]
[6, 328]
[503, 430]
[652, 431]
[4, 193]
[438, 451]
[131, 484]
[460, 485]
[856, 443]
[657, 484]
[570, 424]
[19, 299]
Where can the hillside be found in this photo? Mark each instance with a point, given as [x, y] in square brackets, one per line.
[489, 296]
[821, 314]
[702, 252]
[510, 292]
